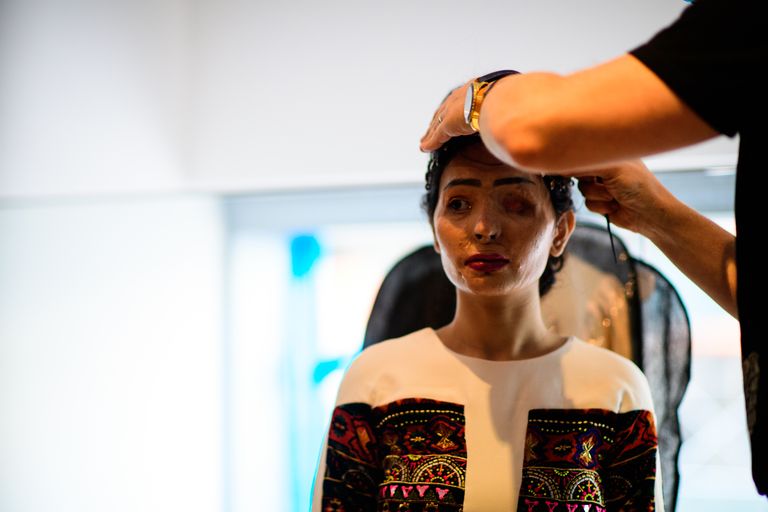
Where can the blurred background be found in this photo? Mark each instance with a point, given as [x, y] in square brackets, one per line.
[198, 202]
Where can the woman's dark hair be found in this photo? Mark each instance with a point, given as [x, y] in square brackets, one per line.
[559, 193]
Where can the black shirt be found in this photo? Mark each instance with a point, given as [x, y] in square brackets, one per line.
[711, 58]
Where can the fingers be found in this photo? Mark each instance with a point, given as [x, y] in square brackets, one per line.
[596, 198]
[436, 134]
[592, 189]
[611, 173]
[602, 207]
[448, 121]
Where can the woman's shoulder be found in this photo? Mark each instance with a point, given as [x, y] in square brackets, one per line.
[395, 348]
[377, 362]
[601, 356]
[598, 364]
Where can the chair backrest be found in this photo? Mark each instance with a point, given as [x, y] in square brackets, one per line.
[624, 305]
[666, 362]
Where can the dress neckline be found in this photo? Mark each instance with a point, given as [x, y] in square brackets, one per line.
[506, 362]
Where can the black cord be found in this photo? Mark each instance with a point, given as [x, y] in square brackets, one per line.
[610, 235]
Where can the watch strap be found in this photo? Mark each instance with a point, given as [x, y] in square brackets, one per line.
[480, 88]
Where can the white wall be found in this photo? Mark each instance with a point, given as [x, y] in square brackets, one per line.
[110, 356]
[93, 96]
[111, 394]
[296, 93]
[119, 95]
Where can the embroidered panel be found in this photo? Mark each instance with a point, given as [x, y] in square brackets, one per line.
[405, 456]
[589, 460]
[352, 471]
[424, 455]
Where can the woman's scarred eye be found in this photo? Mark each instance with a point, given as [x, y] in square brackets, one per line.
[516, 205]
[458, 205]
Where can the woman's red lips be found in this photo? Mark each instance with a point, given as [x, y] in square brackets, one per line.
[486, 262]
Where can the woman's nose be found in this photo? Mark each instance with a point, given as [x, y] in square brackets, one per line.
[480, 236]
[486, 227]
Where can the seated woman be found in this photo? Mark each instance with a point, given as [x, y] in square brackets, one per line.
[492, 412]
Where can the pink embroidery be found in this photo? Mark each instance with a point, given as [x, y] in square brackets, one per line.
[407, 490]
[598, 508]
[392, 489]
[551, 505]
[531, 504]
[572, 508]
[422, 489]
[441, 492]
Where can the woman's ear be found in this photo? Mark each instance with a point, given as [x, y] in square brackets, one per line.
[434, 239]
[563, 229]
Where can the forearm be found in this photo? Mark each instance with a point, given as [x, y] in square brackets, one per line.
[701, 249]
[568, 124]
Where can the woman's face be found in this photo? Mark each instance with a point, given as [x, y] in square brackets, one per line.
[494, 225]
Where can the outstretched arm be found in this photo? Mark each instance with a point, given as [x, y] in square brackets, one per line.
[636, 200]
[570, 124]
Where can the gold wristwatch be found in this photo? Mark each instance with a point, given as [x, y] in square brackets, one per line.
[476, 93]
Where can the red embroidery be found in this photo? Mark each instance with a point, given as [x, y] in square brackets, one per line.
[589, 459]
[531, 504]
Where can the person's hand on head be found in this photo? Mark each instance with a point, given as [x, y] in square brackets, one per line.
[448, 120]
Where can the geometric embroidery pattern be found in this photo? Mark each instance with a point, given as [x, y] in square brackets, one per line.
[424, 455]
[352, 472]
[588, 460]
[411, 456]
[406, 456]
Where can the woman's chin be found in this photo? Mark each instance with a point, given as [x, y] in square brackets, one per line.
[496, 285]
[489, 289]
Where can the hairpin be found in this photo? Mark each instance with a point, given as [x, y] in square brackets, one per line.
[559, 185]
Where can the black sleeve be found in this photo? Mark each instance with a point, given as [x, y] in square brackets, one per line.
[711, 58]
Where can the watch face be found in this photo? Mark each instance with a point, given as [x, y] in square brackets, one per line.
[468, 100]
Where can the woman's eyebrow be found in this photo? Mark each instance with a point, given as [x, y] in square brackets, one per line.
[513, 180]
[473, 182]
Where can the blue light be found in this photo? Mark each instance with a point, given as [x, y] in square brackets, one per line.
[305, 251]
[324, 368]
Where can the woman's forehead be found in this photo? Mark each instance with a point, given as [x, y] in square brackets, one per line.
[486, 168]
[478, 153]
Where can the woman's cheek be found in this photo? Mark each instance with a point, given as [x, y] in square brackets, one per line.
[452, 269]
[539, 253]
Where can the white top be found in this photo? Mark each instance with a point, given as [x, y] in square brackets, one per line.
[496, 397]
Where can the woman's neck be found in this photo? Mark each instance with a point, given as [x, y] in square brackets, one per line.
[499, 328]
